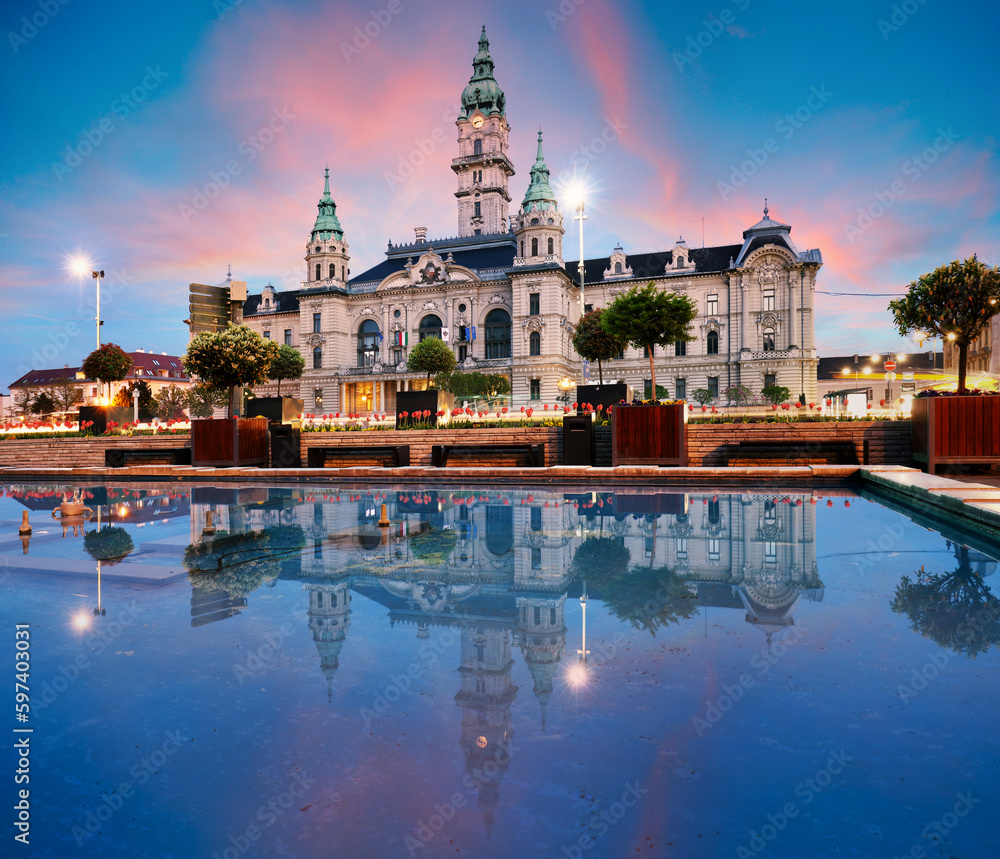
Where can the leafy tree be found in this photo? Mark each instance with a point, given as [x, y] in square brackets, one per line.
[776, 394]
[955, 301]
[702, 396]
[431, 355]
[110, 363]
[146, 402]
[43, 404]
[171, 402]
[202, 401]
[234, 358]
[593, 342]
[956, 610]
[648, 317]
[647, 392]
[289, 364]
[434, 545]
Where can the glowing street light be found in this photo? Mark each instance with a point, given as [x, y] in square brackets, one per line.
[81, 267]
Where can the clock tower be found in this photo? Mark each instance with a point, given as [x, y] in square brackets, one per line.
[482, 166]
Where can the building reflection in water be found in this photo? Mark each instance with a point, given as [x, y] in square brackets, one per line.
[494, 572]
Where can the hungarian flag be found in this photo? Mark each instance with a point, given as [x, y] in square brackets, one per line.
[401, 338]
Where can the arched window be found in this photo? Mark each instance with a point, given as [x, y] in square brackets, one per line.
[342, 273]
[714, 514]
[333, 271]
[712, 343]
[367, 343]
[534, 247]
[768, 339]
[552, 245]
[497, 324]
[499, 530]
[522, 247]
[477, 146]
[618, 268]
[535, 343]
[317, 271]
[318, 358]
[430, 326]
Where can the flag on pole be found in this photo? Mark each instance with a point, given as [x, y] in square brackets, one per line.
[401, 338]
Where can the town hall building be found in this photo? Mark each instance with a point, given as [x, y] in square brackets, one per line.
[502, 295]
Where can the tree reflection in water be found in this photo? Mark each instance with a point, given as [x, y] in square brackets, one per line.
[956, 610]
[241, 563]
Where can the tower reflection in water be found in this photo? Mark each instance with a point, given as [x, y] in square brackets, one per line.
[493, 571]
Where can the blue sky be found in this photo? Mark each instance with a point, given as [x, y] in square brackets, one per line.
[170, 141]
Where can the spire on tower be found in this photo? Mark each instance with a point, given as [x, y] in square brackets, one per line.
[539, 194]
[327, 223]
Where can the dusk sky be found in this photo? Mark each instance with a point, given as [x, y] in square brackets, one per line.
[168, 141]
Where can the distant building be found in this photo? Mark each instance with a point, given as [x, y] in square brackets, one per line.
[503, 297]
[157, 370]
[866, 374]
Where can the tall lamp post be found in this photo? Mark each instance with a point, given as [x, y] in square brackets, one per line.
[81, 267]
[581, 216]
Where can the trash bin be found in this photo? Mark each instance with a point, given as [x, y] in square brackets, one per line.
[285, 451]
[578, 440]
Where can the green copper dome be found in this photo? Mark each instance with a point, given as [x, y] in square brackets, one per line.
[539, 195]
[483, 92]
[326, 221]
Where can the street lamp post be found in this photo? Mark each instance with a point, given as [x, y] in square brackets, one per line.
[581, 216]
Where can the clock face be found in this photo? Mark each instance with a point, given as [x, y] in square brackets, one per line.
[477, 121]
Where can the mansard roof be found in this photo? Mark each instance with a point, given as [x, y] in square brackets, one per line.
[287, 302]
[651, 265]
[479, 253]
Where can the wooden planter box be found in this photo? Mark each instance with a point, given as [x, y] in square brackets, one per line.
[648, 435]
[225, 442]
[955, 430]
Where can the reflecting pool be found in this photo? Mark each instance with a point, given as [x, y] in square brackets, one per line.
[307, 672]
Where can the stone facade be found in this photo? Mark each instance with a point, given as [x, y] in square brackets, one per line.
[502, 296]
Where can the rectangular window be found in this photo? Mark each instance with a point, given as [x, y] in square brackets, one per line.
[680, 348]
[463, 352]
[713, 385]
[647, 547]
[714, 549]
[681, 388]
[536, 518]
[536, 389]
[712, 305]
[397, 356]
[770, 553]
[316, 322]
[770, 379]
[588, 308]
[478, 213]
[267, 335]
[620, 356]
[768, 299]
[318, 399]
[681, 547]
[288, 336]
[645, 351]
[533, 303]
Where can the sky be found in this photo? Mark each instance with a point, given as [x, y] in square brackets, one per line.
[167, 142]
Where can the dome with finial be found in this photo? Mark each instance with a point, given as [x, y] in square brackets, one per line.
[483, 92]
[539, 196]
[327, 224]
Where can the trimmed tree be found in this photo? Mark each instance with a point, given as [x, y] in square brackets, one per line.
[431, 356]
[234, 358]
[43, 404]
[593, 342]
[776, 394]
[288, 364]
[171, 402]
[955, 302]
[647, 317]
[108, 364]
[703, 396]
